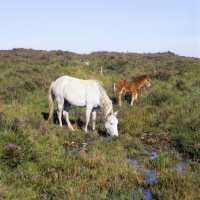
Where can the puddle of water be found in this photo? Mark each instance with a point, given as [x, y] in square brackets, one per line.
[150, 176]
[108, 198]
[142, 194]
[146, 193]
[181, 165]
[135, 163]
[76, 148]
[153, 155]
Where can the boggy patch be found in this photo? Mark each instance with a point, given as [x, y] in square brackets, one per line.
[173, 160]
[149, 140]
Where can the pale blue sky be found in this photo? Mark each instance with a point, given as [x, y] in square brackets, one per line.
[84, 26]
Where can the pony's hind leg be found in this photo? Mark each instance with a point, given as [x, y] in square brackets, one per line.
[67, 107]
[59, 111]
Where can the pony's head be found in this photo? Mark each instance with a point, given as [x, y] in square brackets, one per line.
[147, 81]
[111, 124]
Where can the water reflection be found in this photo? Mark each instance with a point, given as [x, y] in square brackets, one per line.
[181, 165]
[153, 155]
[146, 194]
[150, 175]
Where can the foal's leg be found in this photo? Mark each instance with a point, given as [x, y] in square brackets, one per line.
[120, 97]
[67, 107]
[133, 98]
[94, 114]
[136, 96]
[88, 111]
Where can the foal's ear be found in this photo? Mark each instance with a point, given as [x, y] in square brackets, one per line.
[115, 113]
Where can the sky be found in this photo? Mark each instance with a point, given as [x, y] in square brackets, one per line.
[85, 26]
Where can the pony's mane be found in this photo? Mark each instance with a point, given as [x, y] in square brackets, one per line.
[105, 102]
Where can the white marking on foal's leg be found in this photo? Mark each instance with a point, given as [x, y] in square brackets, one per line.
[132, 99]
[120, 97]
[132, 102]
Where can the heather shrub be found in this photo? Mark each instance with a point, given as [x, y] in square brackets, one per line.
[2, 120]
[12, 155]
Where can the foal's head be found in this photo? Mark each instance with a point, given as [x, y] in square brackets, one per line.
[147, 81]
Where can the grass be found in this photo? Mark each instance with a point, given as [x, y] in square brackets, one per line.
[36, 161]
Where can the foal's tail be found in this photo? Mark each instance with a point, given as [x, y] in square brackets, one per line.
[114, 88]
[51, 103]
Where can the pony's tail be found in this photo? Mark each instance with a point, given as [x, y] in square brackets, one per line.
[51, 104]
[114, 88]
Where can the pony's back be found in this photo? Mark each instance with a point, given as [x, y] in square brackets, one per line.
[76, 91]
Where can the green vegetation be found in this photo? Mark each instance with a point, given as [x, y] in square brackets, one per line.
[35, 157]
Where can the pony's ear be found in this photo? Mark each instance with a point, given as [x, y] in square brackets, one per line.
[115, 113]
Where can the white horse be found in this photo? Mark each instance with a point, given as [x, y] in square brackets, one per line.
[73, 91]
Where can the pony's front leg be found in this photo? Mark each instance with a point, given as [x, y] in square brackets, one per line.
[88, 111]
[94, 114]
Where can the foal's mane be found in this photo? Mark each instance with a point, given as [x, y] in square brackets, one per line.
[138, 78]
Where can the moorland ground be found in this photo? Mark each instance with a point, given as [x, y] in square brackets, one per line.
[39, 160]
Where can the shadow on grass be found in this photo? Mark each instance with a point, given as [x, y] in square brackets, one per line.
[79, 123]
[114, 100]
[125, 97]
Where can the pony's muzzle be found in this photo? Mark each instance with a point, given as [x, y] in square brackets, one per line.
[109, 135]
